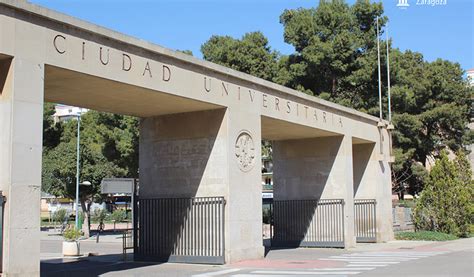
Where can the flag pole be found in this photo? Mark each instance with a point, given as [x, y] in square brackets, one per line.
[390, 126]
[380, 124]
[388, 79]
[378, 66]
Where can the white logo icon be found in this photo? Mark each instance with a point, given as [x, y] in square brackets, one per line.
[403, 4]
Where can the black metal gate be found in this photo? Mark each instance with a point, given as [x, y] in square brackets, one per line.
[365, 220]
[189, 230]
[308, 223]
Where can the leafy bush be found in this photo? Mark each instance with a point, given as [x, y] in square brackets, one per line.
[118, 215]
[424, 235]
[445, 204]
[60, 216]
[99, 215]
[72, 234]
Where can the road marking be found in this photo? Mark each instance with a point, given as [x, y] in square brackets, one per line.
[362, 260]
[345, 268]
[266, 275]
[373, 262]
[216, 273]
[306, 272]
[387, 255]
[373, 258]
[371, 265]
[253, 275]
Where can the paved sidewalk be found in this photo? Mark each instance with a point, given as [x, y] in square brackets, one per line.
[409, 258]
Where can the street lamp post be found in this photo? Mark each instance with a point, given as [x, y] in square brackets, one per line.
[77, 167]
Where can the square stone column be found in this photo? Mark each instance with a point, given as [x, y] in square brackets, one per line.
[316, 168]
[244, 206]
[21, 118]
[208, 153]
[383, 178]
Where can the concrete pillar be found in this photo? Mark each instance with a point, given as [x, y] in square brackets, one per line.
[244, 208]
[208, 153]
[382, 171]
[184, 155]
[21, 117]
[316, 168]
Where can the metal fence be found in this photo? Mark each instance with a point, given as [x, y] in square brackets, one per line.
[365, 220]
[308, 223]
[180, 230]
[127, 242]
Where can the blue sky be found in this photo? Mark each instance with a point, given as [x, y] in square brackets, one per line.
[444, 31]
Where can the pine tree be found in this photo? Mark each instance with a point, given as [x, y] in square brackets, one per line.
[444, 204]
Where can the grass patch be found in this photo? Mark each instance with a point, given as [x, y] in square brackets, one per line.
[406, 203]
[424, 235]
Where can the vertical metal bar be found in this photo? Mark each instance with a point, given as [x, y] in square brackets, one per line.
[205, 227]
[214, 228]
[333, 218]
[149, 239]
[359, 219]
[214, 221]
[189, 230]
[338, 220]
[179, 227]
[208, 241]
[161, 221]
[323, 221]
[146, 227]
[343, 225]
[199, 221]
[375, 220]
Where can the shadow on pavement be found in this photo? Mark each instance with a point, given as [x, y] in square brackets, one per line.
[88, 266]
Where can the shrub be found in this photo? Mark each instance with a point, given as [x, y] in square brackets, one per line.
[72, 234]
[118, 215]
[99, 215]
[445, 202]
[60, 216]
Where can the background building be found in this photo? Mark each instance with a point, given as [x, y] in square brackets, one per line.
[65, 113]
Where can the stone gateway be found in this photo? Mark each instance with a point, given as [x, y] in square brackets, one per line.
[201, 127]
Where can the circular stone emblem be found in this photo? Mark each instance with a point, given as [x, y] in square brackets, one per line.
[245, 151]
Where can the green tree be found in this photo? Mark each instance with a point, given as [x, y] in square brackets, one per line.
[335, 59]
[251, 54]
[51, 130]
[331, 42]
[444, 204]
[109, 148]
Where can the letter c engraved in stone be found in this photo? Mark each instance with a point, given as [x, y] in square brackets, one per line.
[100, 56]
[206, 87]
[56, 44]
[126, 66]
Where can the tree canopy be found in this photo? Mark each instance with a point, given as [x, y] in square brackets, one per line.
[335, 58]
[445, 205]
[108, 148]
